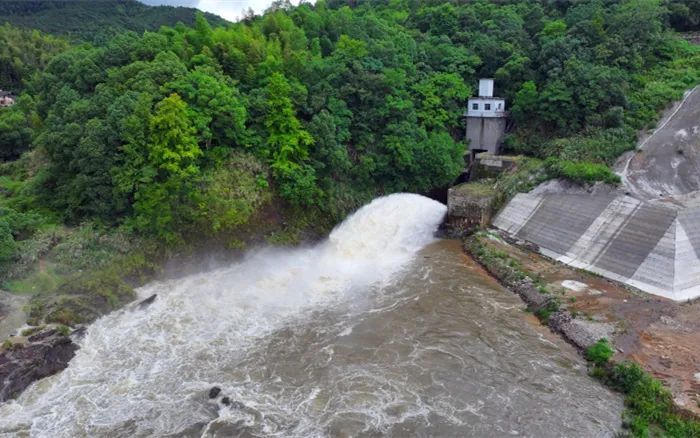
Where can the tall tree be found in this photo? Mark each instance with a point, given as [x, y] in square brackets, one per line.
[287, 144]
[168, 170]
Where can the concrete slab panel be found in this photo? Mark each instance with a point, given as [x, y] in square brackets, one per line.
[686, 284]
[593, 243]
[517, 213]
[653, 247]
[689, 219]
[560, 220]
[658, 268]
[635, 240]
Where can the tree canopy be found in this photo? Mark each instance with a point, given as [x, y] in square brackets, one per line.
[97, 21]
[325, 106]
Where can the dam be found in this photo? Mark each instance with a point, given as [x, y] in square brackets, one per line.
[645, 233]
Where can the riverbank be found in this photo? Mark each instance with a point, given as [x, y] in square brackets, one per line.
[83, 273]
[660, 335]
[308, 342]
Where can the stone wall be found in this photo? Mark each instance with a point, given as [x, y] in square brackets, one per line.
[469, 205]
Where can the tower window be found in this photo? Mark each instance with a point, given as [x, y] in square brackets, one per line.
[487, 107]
[475, 106]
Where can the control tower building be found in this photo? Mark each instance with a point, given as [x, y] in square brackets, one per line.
[486, 120]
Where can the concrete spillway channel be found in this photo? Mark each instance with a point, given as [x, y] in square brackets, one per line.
[645, 234]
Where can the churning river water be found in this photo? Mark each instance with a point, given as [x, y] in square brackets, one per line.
[381, 330]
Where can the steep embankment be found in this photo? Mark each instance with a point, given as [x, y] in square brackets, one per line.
[667, 162]
[645, 233]
[656, 333]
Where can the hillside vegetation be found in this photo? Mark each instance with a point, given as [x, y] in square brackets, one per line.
[295, 118]
[94, 20]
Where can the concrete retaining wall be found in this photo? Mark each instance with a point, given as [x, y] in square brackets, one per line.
[651, 246]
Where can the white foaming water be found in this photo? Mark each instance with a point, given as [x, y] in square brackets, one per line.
[146, 371]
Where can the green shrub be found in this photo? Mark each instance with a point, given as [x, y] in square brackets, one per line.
[600, 352]
[529, 173]
[7, 243]
[37, 281]
[30, 331]
[90, 247]
[602, 146]
[548, 310]
[581, 172]
[233, 193]
[650, 409]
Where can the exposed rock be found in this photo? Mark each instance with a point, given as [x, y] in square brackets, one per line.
[79, 333]
[214, 392]
[44, 354]
[147, 302]
[574, 285]
[44, 334]
[226, 401]
[530, 293]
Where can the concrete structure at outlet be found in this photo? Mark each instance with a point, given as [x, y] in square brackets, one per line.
[645, 233]
[486, 121]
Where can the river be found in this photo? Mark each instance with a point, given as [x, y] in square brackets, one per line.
[382, 330]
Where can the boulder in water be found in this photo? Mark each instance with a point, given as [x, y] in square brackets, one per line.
[214, 392]
[148, 301]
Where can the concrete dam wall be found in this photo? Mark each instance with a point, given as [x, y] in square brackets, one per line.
[645, 234]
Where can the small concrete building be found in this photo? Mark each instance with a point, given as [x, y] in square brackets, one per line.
[486, 120]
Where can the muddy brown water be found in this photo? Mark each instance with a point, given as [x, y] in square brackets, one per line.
[437, 348]
[446, 352]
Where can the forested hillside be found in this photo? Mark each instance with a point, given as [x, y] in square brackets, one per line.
[191, 132]
[24, 52]
[91, 20]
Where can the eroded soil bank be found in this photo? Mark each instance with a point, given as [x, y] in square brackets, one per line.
[659, 334]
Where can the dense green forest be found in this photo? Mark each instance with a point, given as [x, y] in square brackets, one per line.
[288, 121]
[92, 20]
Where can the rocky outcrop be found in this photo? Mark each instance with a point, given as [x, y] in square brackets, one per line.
[580, 333]
[148, 301]
[26, 360]
[529, 293]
